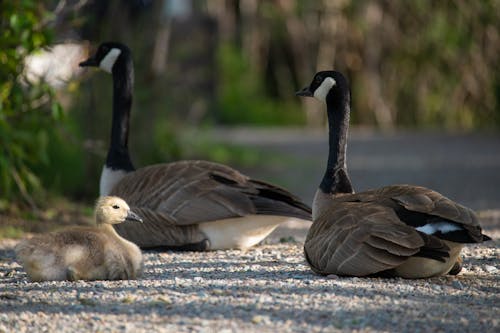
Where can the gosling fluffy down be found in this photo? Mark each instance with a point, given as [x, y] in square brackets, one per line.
[85, 253]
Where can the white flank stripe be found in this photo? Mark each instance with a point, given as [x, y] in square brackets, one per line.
[109, 60]
[321, 92]
[432, 228]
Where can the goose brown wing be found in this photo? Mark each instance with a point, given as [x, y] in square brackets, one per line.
[418, 206]
[424, 200]
[190, 192]
[362, 238]
[273, 200]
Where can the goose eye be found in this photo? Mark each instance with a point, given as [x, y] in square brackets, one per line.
[318, 79]
[116, 206]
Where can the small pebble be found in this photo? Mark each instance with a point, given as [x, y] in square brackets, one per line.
[258, 319]
[436, 287]
[490, 269]
[164, 299]
[457, 285]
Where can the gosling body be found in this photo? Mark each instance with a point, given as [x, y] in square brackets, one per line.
[84, 253]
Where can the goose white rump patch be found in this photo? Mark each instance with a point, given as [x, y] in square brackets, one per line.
[109, 60]
[241, 232]
[432, 228]
[321, 92]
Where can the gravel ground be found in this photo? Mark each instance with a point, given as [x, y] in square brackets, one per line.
[266, 289]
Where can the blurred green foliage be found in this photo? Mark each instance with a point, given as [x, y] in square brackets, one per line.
[242, 95]
[11, 232]
[421, 64]
[27, 109]
[444, 71]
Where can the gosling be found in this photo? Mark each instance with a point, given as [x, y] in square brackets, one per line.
[85, 253]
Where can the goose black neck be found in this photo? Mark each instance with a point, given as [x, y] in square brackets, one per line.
[123, 81]
[336, 179]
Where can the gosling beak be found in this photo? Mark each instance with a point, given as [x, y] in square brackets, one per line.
[304, 92]
[131, 216]
[89, 62]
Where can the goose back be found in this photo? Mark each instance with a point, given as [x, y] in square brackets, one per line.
[173, 198]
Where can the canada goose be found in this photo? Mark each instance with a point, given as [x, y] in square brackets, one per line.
[85, 253]
[401, 230]
[186, 205]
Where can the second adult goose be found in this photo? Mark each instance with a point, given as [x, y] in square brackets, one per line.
[401, 230]
[187, 205]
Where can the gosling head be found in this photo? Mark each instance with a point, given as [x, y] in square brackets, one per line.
[113, 210]
[108, 54]
[326, 85]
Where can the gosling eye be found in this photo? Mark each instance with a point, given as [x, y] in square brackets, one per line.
[116, 206]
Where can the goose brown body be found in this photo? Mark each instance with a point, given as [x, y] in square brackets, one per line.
[187, 205]
[83, 253]
[180, 201]
[364, 233]
[400, 230]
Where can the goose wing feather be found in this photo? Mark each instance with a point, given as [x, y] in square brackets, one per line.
[424, 200]
[158, 230]
[361, 238]
[190, 192]
[429, 206]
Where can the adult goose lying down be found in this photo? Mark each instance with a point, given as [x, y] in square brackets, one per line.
[401, 230]
[186, 205]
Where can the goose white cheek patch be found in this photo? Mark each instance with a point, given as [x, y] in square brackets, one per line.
[321, 92]
[110, 59]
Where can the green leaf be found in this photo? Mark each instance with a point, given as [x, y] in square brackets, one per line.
[14, 21]
[27, 113]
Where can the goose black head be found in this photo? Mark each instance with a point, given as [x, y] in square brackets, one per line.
[326, 84]
[107, 55]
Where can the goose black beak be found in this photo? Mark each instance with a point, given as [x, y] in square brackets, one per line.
[89, 63]
[306, 92]
[131, 216]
